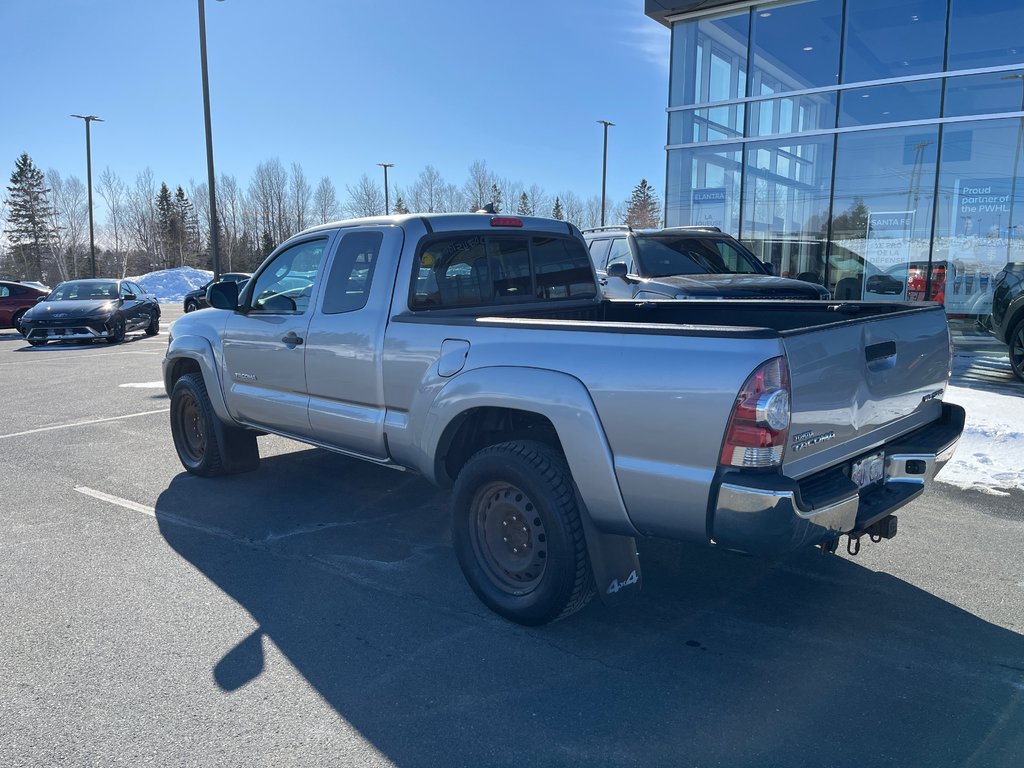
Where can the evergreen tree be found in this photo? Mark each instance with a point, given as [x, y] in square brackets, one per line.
[266, 244]
[165, 216]
[524, 209]
[644, 210]
[187, 224]
[556, 210]
[496, 199]
[851, 223]
[28, 218]
[400, 206]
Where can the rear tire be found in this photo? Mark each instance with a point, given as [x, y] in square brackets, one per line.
[518, 534]
[191, 305]
[154, 326]
[16, 321]
[1016, 350]
[207, 446]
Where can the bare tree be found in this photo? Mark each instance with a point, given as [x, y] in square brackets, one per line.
[199, 196]
[425, 194]
[70, 221]
[572, 207]
[325, 201]
[269, 191]
[300, 194]
[364, 199]
[451, 199]
[114, 193]
[592, 212]
[510, 192]
[142, 218]
[230, 216]
[477, 189]
[540, 203]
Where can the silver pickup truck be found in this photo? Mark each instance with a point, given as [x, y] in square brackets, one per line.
[476, 350]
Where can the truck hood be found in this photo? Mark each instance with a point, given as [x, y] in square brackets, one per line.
[735, 287]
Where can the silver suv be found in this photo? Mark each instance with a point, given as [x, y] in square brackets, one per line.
[685, 263]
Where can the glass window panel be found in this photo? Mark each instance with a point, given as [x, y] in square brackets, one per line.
[985, 33]
[893, 38]
[705, 124]
[982, 94]
[348, 285]
[563, 269]
[980, 221]
[785, 205]
[286, 283]
[704, 187]
[796, 46]
[882, 211]
[709, 59]
[890, 103]
[793, 114]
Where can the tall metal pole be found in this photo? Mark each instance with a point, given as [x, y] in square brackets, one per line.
[604, 168]
[214, 246]
[387, 206]
[88, 173]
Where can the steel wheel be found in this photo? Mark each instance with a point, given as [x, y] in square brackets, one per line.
[192, 428]
[509, 537]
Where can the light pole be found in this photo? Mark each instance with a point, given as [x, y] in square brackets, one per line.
[385, 166]
[88, 174]
[604, 167]
[214, 247]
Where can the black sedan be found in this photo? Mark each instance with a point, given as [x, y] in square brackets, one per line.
[85, 310]
[197, 299]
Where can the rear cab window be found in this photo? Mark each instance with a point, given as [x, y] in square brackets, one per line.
[477, 269]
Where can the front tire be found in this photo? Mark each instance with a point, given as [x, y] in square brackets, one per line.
[1016, 350]
[518, 534]
[37, 342]
[117, 330]
[205, 445]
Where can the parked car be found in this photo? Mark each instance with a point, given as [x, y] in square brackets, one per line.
[477, 351]
[16, 298]
[685, 263]
[86, 310]
[197, 299]
[35, 284]
[1007, 318]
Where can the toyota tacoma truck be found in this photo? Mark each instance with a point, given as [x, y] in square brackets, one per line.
[476, 350]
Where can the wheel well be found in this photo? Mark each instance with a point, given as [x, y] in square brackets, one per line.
[1017, 316]
[478, 428]
[181, 367]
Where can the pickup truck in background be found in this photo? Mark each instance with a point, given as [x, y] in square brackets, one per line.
[477, 351]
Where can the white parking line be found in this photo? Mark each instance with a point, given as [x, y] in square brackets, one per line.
[144, 385]
[83, 423]
[134, 506]
[46, 359]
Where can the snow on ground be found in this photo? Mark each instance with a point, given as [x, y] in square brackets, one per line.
[171, 285]
[990, 457]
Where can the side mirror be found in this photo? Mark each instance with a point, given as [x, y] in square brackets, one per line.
[769, 266]
[618, 269]
[223, 295]
[129, 297]
[41, 298]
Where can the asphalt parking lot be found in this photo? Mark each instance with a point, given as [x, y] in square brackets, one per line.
[312, 613]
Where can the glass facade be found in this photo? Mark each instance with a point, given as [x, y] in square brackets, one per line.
[872, 146]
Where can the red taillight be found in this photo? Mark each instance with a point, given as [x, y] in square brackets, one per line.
[506, 221]
[759, 424]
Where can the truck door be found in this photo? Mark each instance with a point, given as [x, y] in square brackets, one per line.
[345, 338]
[617, 287]
[265, 344]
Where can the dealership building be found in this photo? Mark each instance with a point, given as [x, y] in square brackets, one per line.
[873, 146]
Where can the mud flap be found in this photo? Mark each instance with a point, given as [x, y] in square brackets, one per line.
[239, 451]
[614, 562]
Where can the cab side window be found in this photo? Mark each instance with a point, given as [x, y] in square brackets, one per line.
[620, 254]
[286, 284]
[348, 285]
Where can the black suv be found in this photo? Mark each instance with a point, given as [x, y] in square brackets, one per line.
[685, 263]
[197, 299]
[1008, 313]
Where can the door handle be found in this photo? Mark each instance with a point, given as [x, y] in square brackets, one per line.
[603, 281]
[292, 340]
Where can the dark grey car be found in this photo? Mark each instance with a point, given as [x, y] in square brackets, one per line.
[86, 310]
[685, 263]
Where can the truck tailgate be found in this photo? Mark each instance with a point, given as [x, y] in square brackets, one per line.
[856, 385]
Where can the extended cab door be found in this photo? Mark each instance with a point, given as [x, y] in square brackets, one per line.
[345, 341]
[265, 342]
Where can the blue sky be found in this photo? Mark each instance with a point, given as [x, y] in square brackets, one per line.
[338, 87]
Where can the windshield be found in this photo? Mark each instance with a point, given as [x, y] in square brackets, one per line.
[666, 255]
[83, 290]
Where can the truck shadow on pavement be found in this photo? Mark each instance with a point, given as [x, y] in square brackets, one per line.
[723, 660]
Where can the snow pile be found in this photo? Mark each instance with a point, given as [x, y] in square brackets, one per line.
[171, 285]
[990, 457]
